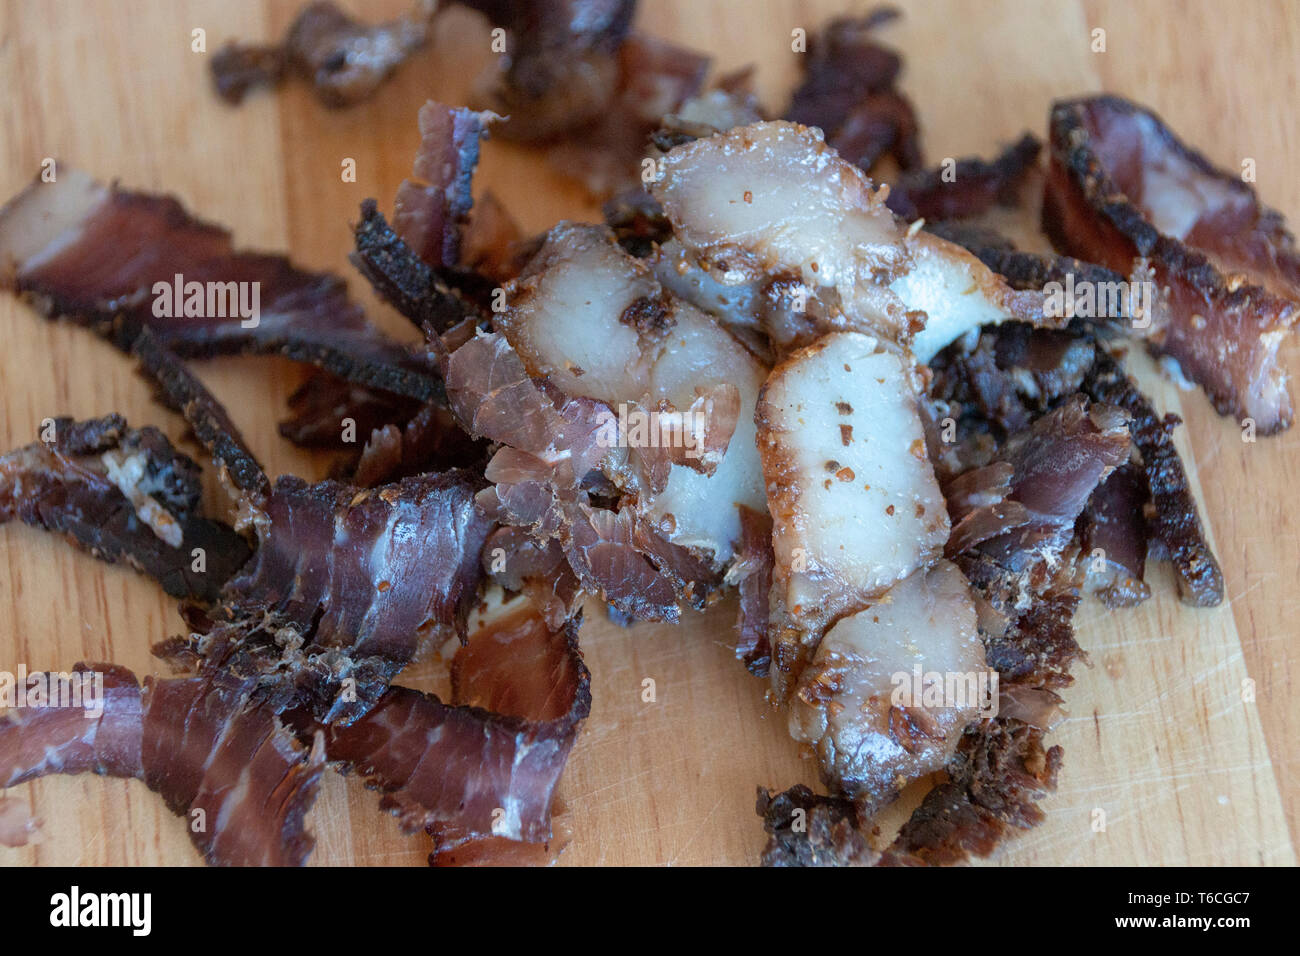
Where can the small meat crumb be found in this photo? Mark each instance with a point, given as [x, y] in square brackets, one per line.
[889, 510]
[844, 474]
[846, 434]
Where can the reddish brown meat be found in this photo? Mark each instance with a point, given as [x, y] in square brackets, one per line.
[123, 495]
[211, 746]
[1124, 192]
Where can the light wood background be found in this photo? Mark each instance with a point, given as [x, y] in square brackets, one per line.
[1159, 737]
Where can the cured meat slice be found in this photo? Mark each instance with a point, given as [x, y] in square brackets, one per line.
[595, 323]
[487, 766]
[889, 689]
[432, 208]
[772, 205]
[119, 261]
[561, 71]
[1125, 192]
[848, 91]
[123, 495]
[211, 746]
[1174, 525]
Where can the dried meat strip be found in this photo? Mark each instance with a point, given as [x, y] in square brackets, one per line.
[848, 91]
[124, 495]
[488, 765]
[211, 746]
[119, 261]
[402, 278]
[1125, 192]
[432, 208]
[1174, 521]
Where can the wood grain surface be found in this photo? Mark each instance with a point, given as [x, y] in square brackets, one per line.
[1160, 736]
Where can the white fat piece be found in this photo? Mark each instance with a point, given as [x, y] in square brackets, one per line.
[565, 319]
[773, 200]
[890, 688]
[854, 501]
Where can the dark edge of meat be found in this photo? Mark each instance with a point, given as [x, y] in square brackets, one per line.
[401, 278]
[809, 829]
[63, 486]
[207, 417]
[1000, 772]
[1223, 330]
[1175, 525]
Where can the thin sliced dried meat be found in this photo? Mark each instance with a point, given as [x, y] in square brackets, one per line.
[211, 746]
[181, 390]
[466, 772]
[848, 92]
[1113, 537]
[1125, 192]
[432, 208]
[364, 577]
[124, 495]
[109, 259]
[1174, 524]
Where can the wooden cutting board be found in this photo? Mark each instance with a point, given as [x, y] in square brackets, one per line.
[1160, 738]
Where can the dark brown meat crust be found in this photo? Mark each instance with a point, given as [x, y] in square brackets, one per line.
[1024, 271]
[985, 389]
[1230, 284]
[402, 278]
[972, 187]
[808, 829]
[344, 60]
[1174, 523]
[64, 486]
[181, 391]
[1000, 772]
